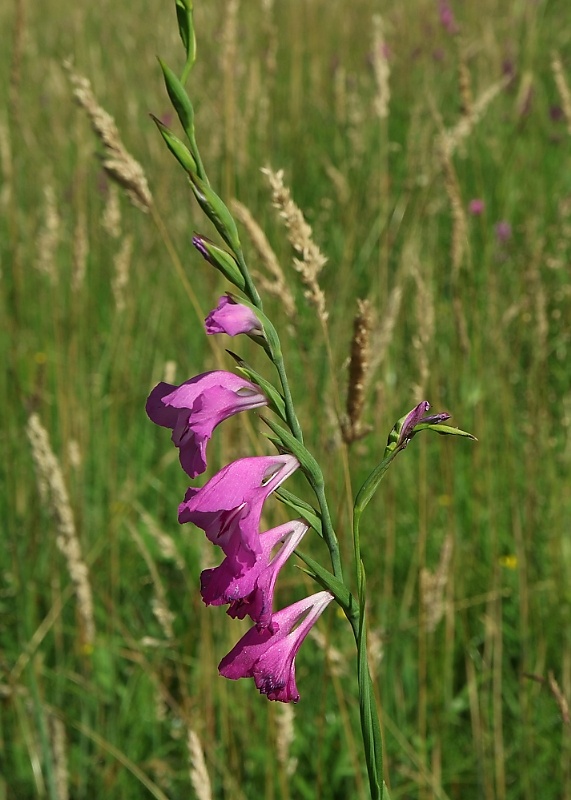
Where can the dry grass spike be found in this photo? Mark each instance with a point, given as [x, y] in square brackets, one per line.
[54, 496]
[562, 88]
[352, 427]
[199, 777]
[118, 163]
[278, 286]
[311, 260]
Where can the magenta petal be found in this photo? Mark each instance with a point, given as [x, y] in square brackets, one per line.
[229, 506]
[232, 318]
[196, 407]
[269, 656]
[252, 592]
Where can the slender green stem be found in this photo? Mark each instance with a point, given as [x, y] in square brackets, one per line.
[328, 530]
[251, 290]
[292, 419]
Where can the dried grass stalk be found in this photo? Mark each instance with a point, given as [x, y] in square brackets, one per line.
[111, 217]
[54, 496]
[381, 69]
[285, 719]
[382, 336]
[352, 427]
[122, 263]
[277, 286]
[199, 777]
[119, 165]
[59, 752]
[80, 252]
[49, 236]
[311, 260]
[7, 165]
[433, 585]
[465, 86]
[425, 318]
[451, 138]
[562, 88]
[159, 604]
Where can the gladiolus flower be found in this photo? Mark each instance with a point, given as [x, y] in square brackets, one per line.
[269, 656]
[229, 506]
[232, 318]
[252, 593]
[196, 407]
[415, 417]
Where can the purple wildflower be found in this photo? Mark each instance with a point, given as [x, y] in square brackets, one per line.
[269, 656]
[229, 506]
[414, 418]
[232, 318]
[252, 593]
[476, 207]
[503, 231]
[196, 407]
[447, 17]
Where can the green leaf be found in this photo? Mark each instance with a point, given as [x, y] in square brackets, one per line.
[177, 147]
[333, 585]
[179, 99]
[221, 259]
[186, 28]
[370, 486]
[217, 212]
[275, 399]
[444, 430]
[301, 508]
[293, 446]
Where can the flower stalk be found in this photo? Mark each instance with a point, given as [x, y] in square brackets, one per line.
[228, 507]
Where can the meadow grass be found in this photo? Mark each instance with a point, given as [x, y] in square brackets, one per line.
[467, 546]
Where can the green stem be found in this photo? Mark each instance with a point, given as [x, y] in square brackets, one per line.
[251, 290]
[292, 419]
[328, 530]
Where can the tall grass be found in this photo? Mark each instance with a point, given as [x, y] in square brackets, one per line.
[476, 318]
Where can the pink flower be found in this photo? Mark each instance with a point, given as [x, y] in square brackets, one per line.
[252, 593]
[415, 417]
[476, 207]
[228, 508]
[503, 231]
[196, 407]
[269, 656]
[447, 17]
[232, 318]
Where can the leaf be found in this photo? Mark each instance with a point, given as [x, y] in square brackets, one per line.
[301, 508]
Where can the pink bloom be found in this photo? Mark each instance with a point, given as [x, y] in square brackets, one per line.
[415, 417]
[196, 407]
[232, 318]
[447, 17]
[228, 508]
[252, 593]
[268, 656]
[476, 207]
[503, 231]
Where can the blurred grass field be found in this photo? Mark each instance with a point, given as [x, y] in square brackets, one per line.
[467, 546]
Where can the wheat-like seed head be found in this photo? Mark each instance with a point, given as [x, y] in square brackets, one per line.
[118, 163]
[311, 260]
[54, 495]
